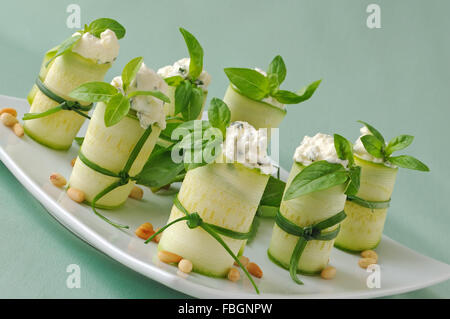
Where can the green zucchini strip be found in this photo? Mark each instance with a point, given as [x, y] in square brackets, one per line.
[123, 175]
[194, 220]
[305, 234]
[63, 104]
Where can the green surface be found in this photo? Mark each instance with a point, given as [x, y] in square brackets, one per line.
[395, 77]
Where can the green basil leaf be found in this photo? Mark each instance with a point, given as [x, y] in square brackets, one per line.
[182, 96]
[79, 140]
[398, 143]
[174, 80]
[96, 27]
[94, 92]
[65, 46]
[315, 177]
[195, 54]
[374, 131]
[410, 162]
[219, 115]
[272, 83]
[273, 193]
[192, 111]
[116, 109]
[373, 146]
[354, 181]
[344, 148]
[129, 72]
[158, 94]
[287, 97]
[249, 82]
[277, 67]
[159, 170]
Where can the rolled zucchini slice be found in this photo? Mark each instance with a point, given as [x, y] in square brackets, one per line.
[225, 195]
[64, 74]
[258, 113]
[42, 73]
[110, 148]
[303, 211]
[363, 227]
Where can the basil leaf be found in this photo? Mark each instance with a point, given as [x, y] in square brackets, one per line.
[287, 97]
[96, 27]
[272, 83]
[79, 140]
[410, 162]
[344, 148]
[159, 170]
[158, 94]
[182, 96]
[398, 143]
[192, 111]
[273, 193]
[94, 92]
[318, 176]
[116, 109]
[278, 68]
[374, 131]
[219, 115]
[249, 82]
[373, 145]
[354, 181]
[65, 46]
[195, 54]
[129, 72]
[174, 80]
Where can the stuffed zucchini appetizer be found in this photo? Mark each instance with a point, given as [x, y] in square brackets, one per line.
[366, 210]
[86, 56]
[254, 96]
[121, 134]
[313, 204]
[225, 195]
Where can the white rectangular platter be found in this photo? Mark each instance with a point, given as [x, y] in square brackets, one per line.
[401, 269]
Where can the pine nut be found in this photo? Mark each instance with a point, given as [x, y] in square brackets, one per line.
[366, 262]
[145, 231]
[18, 130]
[136, 193]
[328, 273]
[9, 110]
[234, 275]
[168, 257]
[58, 180]
[8, 120]
[244, 261]
[185, 266]
[157, 238]
[254, 270]
[72, 162]
[369, 254]
[76, 195]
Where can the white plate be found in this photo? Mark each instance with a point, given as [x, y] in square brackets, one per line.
[401, 269]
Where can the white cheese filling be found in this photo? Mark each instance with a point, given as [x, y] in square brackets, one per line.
[248, 146]
[320, 147]
[181, 68]
[149, 109]
[102, 50]
[360, 151]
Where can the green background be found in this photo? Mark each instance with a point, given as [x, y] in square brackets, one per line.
[396, 78]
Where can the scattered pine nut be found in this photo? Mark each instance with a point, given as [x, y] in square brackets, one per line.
[76, 195]
[234, 275]
[328, 273]
[157, 238]
[244, 261]
[254, 270]
[136, 193]
[366, 262]
[369, 254]
[185, 266]
[145, 231]
[168, 257]
[8, 120]
[58, 180]
[9, 110]
[72, 162]
[18, 130]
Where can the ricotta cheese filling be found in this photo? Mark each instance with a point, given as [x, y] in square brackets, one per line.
[181, 68]
[360, 151]
[320, 147]
[102, 50]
